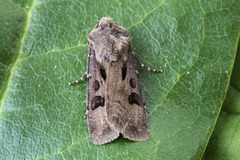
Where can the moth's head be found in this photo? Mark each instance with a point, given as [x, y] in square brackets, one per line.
[110, 41]
[105, 22]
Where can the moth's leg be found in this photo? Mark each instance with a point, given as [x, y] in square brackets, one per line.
[79, 80]
[147, 68]
[96, 25]
[85, 116]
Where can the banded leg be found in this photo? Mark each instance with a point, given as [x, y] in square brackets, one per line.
[79, 80]
[147, 68]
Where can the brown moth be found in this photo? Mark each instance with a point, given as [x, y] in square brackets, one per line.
[115, 102]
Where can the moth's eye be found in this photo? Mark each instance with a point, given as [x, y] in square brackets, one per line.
[134, 98]
[133, 83]
[103, 74]
[97, 102]
[110, 25]
[96, 85]
[124, 73]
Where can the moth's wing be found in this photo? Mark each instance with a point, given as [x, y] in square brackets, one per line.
[137, 126]
[99, 130]
[126, 109]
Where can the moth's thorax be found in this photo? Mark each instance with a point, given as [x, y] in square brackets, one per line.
[109, 41]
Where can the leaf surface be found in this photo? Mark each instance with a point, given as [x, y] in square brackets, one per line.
[224, 143]
[194, 42]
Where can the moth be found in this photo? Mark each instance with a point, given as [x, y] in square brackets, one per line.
[115, 102]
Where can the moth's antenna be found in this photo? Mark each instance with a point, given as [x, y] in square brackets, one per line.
[79, 80]
[147, 68]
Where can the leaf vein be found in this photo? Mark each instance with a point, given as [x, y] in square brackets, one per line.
[17, 58]
[179, 77]
[148, 13]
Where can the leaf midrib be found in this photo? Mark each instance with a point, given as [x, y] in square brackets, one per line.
[5, 88]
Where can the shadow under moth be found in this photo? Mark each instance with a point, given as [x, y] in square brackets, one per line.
[115, 102]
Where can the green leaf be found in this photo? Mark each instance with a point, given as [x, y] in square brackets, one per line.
[11, 24]
[224, 143]
[41, 117]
